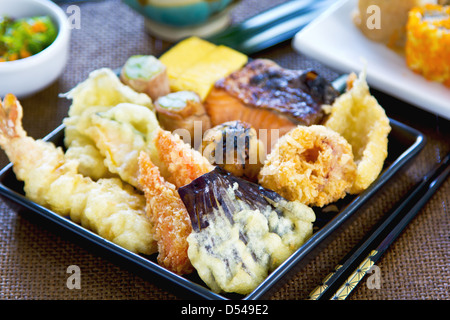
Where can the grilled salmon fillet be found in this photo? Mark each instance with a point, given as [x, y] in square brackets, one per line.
[269, 97]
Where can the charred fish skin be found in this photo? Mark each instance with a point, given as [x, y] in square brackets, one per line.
[295, 94]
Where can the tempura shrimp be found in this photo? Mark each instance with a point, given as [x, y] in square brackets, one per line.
[108, 207]
[168, 215]
[183, 163]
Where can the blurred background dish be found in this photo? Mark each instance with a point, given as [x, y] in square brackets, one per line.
[28, 75]
[173, 20]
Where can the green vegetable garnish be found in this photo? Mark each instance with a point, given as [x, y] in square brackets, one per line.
[21, 38]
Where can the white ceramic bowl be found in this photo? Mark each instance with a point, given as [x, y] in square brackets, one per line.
[27, 76]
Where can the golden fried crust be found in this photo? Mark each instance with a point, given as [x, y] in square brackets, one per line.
[183, 163]
[313, 165]
[168, 216]
[357, 116]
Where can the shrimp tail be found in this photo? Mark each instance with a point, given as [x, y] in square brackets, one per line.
[11, 113]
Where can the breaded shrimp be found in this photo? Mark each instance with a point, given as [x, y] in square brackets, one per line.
[108, 207]
[183, 163]
[168, 215]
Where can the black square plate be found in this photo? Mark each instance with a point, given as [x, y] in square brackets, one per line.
[404, 144]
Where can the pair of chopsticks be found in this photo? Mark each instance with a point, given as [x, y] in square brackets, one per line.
[272, 26]
[351, 270]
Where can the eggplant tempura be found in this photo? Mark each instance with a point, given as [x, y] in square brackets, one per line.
[241, 231]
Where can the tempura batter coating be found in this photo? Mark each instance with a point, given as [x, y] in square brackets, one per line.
[101, 91]
[168, 215]
[103, 88]
[120, 134]
[241, 231]
[313, 165]
[357, 116]
[183, 163]
[81, 148]
[108, 207]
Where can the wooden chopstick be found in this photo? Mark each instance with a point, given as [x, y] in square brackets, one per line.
[355, 265]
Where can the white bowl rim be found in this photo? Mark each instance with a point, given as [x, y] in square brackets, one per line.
[62, 36]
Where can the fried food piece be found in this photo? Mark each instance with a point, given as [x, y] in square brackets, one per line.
[108, 207]
[81, 148]
[120, 134]
[234, 146]
[241, 231]
[357, 116]
[103, 88]
[182, 162]
[168, 216]
[101, 91]
[313, 165]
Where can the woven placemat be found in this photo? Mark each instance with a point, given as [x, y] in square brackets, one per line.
[35, 256]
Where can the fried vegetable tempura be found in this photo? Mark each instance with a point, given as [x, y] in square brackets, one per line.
[81, 148]
[357, 116]
[313, 165]
[108, 207]
[169, 217]
[103, 88]
[101, 91]
[120, 134]
[241, 231]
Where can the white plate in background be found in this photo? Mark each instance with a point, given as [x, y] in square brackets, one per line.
[335, 41]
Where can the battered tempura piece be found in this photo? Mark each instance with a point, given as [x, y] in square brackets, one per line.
[357, 116]
[81, 148]
[101, 91]
[103, 88]
[313, 165]
[182, 162]
[168, 216]
[108, 207]
[241, 231]
[120, 134]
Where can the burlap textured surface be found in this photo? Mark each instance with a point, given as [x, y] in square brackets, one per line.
[34, 256]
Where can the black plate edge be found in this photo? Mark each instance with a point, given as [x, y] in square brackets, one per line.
[325, 232]
[276, 276]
